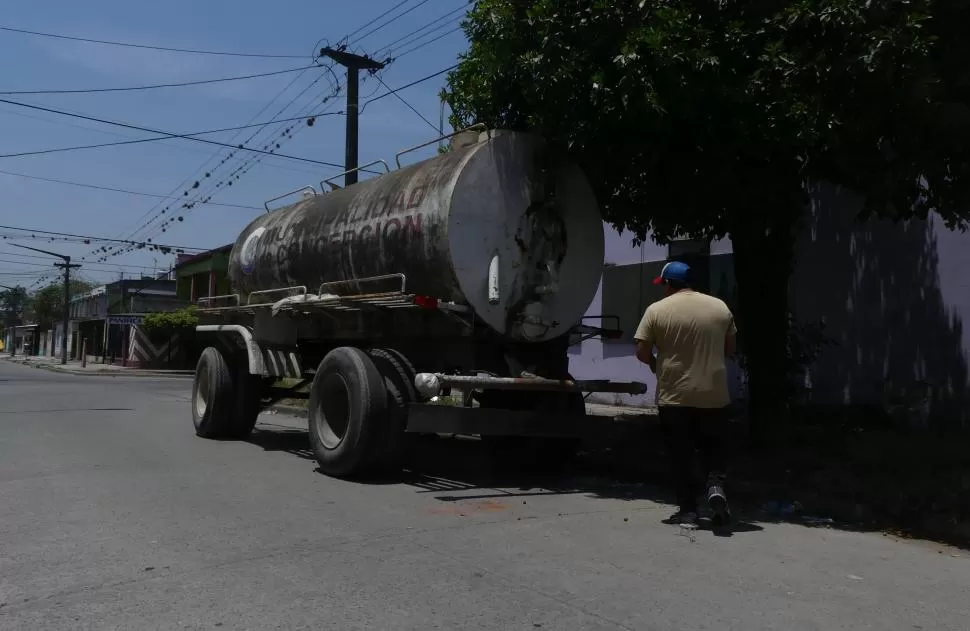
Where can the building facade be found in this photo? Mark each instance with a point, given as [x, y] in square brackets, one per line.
[102, 318]
[203, 275]
[892, 298]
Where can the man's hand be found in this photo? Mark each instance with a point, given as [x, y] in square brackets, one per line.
[645, 354]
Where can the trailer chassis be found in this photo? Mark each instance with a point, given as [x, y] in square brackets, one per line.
[365, 393]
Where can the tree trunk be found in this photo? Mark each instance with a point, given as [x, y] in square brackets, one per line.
[762, 266]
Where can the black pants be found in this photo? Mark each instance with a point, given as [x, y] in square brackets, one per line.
[695, 436]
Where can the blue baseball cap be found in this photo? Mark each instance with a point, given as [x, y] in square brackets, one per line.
[675, 271]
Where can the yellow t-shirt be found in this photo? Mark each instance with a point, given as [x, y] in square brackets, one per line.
[689, 329]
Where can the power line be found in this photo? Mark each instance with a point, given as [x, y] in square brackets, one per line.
[430, 41]
[116, 190]
[411, 107]
[160, 85]
[403, 38]
[47, 258]
[115, 269]
[215, 154]
[366, 24]
[286, 166]
[395, 18]
[390, 91]
[246, 165]
[148, 46]
[165, 137]
[242, 168]
[404, 87]
[167, 134]
[91, 238]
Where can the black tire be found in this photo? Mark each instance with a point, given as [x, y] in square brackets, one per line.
[398, 374]
[396, 367]
[347, 412]
[212, 395]
[248, 402]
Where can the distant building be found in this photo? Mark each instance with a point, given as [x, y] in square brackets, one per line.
[103, 315]
[204, 274]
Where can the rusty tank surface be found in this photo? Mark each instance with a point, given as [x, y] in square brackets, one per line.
[502, 225]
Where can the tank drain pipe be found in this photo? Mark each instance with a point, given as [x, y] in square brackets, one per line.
[493, 293]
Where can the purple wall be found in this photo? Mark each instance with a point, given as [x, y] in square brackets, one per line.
[892, 297]
[598, 359]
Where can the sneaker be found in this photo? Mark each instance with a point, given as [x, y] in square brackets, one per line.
[682, 518]
[718, 503]
[721, 518]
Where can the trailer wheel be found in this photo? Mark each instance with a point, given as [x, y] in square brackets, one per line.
[248, 402]
[212, 396]
[395, 366]
[348, 407]
[398, 374]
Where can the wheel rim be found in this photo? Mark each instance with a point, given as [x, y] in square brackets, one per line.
[202, 393]
[333, 411]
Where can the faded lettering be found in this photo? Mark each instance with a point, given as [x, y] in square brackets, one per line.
[409, 226]
[402, 201]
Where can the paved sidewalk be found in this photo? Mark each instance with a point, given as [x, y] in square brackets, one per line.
[92, 368]
[619, 413]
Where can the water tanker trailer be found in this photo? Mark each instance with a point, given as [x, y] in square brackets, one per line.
[466, 274]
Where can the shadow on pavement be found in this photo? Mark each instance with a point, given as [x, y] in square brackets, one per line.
[460, 469]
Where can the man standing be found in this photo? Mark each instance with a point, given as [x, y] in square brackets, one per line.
[693, 334]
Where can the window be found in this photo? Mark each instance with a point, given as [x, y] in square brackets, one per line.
[627, 291]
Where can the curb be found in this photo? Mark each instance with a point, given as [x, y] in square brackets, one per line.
[129, 372]
[619, 418]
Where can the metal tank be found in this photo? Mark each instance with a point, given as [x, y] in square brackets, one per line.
[501, 225]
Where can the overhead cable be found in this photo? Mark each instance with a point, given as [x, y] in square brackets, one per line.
[159, 85]
[117, 190]
[167, 134]
[164, 137]
[170, 49]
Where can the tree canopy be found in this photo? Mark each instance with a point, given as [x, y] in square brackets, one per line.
[47, 304]
[708, 118]
[167, 322]
[13, 303]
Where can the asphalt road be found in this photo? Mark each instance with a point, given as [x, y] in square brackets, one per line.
[113, 515]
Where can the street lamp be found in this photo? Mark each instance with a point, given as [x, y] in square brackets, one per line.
[67, 291]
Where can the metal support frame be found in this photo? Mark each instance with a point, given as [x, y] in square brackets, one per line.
[277, 394]
[300, 290]
[207, 301]
[397, 156]
[333, 186]
[253, 351]
[365, 280]
[303, 188]
[533, 383]
[587, 332]
[427, 418]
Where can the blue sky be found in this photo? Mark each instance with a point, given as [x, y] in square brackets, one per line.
[289, 27]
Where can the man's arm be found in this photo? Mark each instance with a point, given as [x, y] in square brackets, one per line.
[645, 341]
[645, 354]
[731, 339]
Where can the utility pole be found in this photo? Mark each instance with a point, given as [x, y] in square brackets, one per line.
[11, 323]
[67, 293]
[354, 64]
[441, 121]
